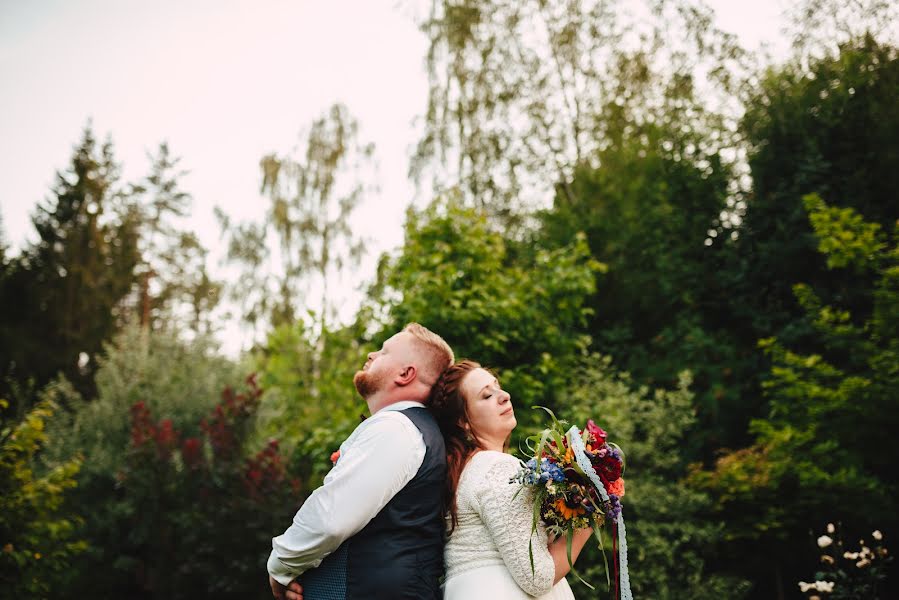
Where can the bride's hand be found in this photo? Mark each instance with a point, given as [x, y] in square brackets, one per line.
[558, 549]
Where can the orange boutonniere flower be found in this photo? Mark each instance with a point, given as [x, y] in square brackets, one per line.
[334, 456]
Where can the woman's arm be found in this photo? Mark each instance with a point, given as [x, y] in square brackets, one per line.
[558, 549]
[507, 513]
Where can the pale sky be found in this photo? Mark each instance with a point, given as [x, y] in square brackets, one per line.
[226, 82]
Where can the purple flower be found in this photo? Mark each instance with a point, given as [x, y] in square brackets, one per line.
[614, 507]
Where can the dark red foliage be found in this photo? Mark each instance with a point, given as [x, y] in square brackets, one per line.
[265, 472]
[191, 452]
[142, 428]
[234, 409]
[191, 497]
[224, 431]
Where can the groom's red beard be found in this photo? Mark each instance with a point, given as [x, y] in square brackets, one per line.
[368, 384]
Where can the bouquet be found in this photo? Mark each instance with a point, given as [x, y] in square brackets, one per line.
[576, 480]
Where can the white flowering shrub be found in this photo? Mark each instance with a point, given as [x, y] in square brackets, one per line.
[848, 573]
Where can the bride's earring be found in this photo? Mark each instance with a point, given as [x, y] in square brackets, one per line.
[469, 439]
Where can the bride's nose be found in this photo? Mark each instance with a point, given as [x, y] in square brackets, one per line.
[504, 397]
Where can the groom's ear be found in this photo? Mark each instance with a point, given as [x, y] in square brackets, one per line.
[406, 376]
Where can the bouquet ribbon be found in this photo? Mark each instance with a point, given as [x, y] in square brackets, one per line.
[577, 447]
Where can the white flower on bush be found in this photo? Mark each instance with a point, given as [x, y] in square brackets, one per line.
[831, 528]
[818, 586]
[824, 541]
[877, 535]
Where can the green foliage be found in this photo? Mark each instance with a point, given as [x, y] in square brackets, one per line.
[311, 415]
[811, 128]
[312, 198]
[60, 297]
[38, 536]
[829, 433]
[648, 213]
[177, 379]
[189, 515]
[849, 574]
[173, 287]
[670, 536]
[524, 318]
[518, 90]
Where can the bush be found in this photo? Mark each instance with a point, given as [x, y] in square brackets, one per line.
[37, 535]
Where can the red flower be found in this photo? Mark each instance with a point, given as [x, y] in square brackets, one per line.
[334, 456]
[596, 431]
[608, 469]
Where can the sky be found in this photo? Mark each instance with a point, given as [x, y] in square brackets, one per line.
[225, 82]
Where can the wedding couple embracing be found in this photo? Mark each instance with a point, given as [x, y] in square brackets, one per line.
[419, 504]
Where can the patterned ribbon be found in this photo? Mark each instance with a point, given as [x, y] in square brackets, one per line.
[577, 446]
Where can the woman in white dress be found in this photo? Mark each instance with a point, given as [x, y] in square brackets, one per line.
[489, 526]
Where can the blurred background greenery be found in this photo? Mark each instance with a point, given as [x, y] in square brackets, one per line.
[715, 281]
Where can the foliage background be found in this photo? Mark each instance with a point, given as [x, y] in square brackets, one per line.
[631, 220]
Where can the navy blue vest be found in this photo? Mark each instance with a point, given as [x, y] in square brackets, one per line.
[399, 554]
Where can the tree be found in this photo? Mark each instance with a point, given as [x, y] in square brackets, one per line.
[3, 247]
[822, 26]
[38, 534]
[174, 288]
[312, 199]
[827, 434]
[517, 90]
[652, 212]
[310, 414]
[178, 379]
[813, 129]
[672, 540]
[455, 276]
[62, 297]
[180, 502]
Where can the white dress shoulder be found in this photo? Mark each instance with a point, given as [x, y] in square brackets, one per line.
[486, 556]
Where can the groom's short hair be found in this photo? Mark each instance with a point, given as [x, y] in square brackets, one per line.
[436, 354]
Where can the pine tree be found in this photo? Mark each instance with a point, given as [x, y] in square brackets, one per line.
[63, 296]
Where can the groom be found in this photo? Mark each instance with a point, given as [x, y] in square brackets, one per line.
[376, 520]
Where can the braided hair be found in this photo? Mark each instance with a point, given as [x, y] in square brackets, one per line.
[450, 409]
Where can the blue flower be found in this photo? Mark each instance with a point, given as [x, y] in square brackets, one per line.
[551, 471]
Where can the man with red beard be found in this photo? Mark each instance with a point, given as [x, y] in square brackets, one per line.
[374, 529]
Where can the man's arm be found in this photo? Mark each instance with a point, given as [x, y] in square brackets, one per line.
[382, 459]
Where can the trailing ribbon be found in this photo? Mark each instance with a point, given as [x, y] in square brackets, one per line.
[577, 446]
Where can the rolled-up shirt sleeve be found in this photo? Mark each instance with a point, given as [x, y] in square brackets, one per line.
[376, 462]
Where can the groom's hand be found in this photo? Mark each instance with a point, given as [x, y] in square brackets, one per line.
[278, 590]
[294, 591]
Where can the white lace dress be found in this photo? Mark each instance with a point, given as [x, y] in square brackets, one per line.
[487, 554]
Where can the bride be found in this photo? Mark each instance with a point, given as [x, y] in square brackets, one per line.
[486, 554]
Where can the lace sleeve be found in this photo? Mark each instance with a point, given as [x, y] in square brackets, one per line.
[508, 521]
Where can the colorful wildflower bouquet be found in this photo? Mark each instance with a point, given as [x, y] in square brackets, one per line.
[576, 480]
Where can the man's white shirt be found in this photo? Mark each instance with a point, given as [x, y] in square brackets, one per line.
[379, 458]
